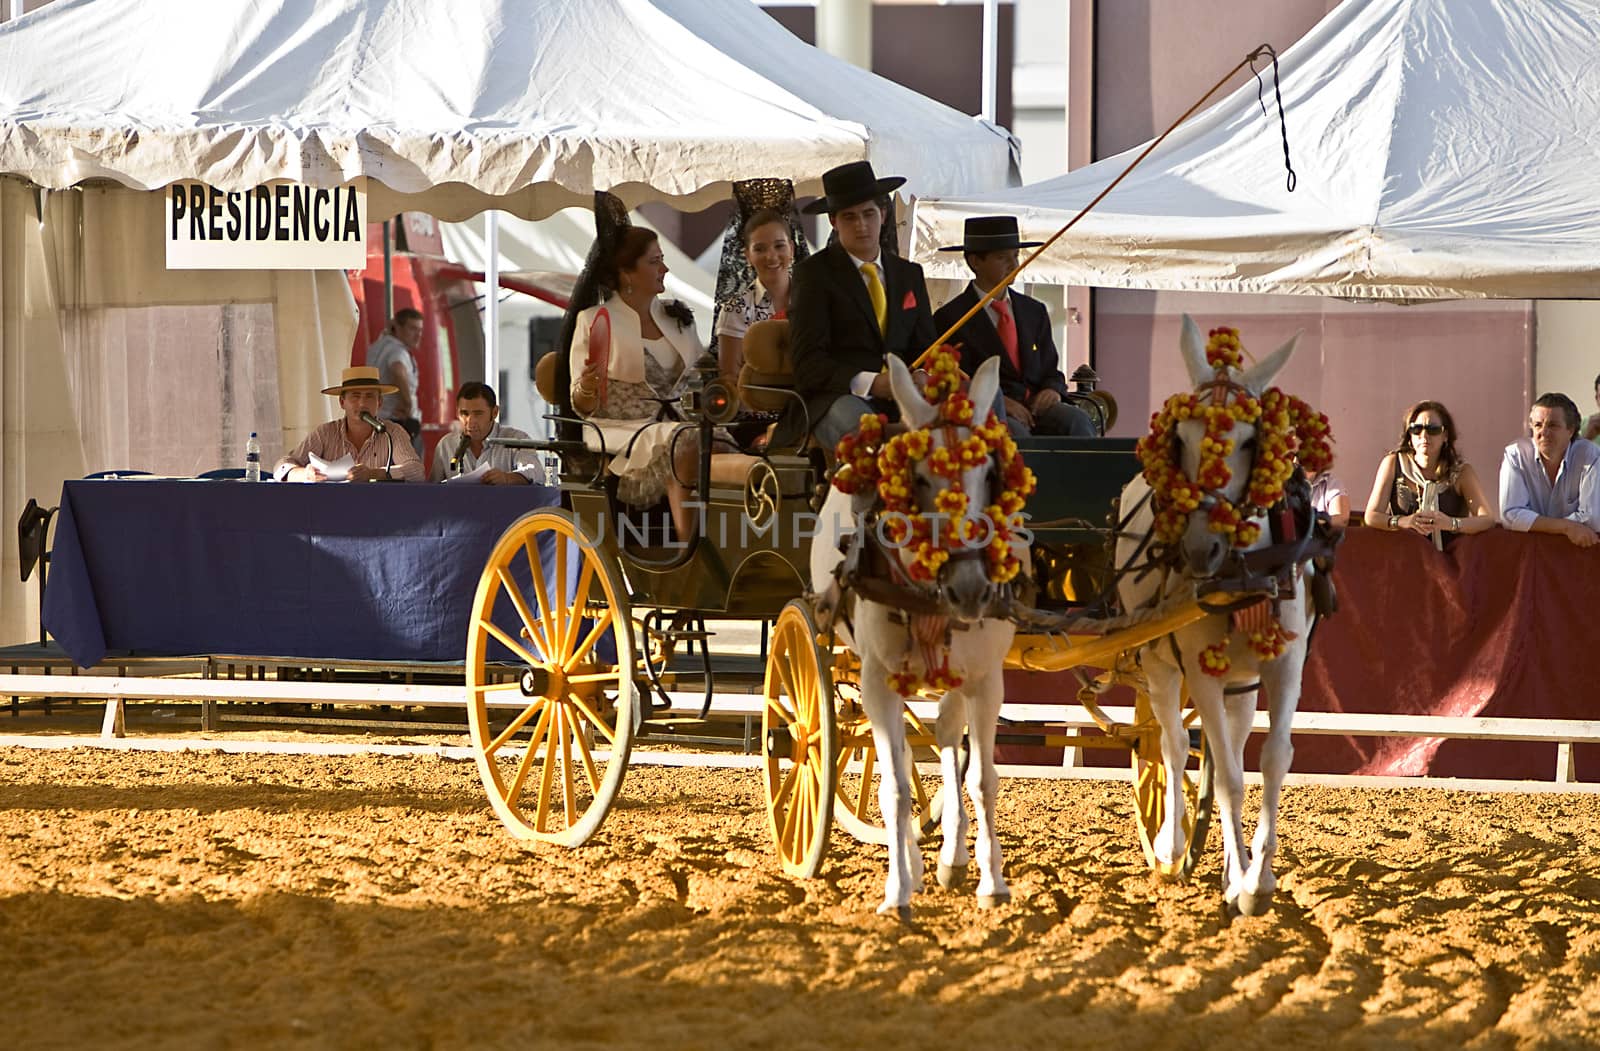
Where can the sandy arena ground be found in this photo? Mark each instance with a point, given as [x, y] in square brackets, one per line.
[207, 900]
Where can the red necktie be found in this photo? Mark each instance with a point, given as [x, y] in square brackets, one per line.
[1007, 327]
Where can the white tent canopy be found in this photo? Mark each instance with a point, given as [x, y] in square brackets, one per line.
[526, 106]
[1444, 148]
[550, 253]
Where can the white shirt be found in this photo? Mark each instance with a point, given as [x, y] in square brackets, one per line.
[385, 352]
[1526, 492]
[516, 461]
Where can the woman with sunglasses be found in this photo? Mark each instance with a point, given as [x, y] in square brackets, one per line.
[1426, 455]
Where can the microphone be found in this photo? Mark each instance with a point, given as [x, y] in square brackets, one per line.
[377, 425]
[461, 450]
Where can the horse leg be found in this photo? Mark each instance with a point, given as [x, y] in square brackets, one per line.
[1166, 703]
[1280, 679]
[1227, 756]
[953, 855]
[984, 698]
[884, 709]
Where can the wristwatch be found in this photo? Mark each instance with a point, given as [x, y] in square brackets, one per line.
[1455, 524]
[1394, 521]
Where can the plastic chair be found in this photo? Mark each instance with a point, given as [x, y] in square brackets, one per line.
[220, 473]
[125, 472]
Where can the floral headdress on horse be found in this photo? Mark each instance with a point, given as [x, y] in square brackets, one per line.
[1286, 430]
[871, 464]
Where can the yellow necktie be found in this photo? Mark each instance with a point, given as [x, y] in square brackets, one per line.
[880, 305]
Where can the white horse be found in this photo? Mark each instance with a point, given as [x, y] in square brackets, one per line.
[969, 634]
[1248, 880]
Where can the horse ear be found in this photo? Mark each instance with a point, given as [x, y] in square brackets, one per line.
[914, 408]
[985, 382]
[1259, 375]
[1193, 345]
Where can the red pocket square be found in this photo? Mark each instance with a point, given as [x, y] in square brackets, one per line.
[910, 302]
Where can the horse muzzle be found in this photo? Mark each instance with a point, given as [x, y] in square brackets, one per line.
[966, 591]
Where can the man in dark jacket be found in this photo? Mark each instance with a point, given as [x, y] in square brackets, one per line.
[1013, 327]
[851, 305]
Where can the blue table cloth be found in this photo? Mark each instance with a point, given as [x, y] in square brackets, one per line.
[360, 572]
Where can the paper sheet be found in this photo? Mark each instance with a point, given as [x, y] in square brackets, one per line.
[472, 477]
[333, 470]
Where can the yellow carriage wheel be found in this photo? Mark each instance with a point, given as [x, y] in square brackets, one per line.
[553, 770]
[1150, 789]
[799, 742]
[856, 806]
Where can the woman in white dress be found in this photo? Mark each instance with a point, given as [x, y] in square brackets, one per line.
[651, 345]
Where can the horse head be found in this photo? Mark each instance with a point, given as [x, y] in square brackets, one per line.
[1203, 546]
[963, 579]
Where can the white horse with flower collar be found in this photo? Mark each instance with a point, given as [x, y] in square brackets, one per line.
[915, 551]
[1216, 461]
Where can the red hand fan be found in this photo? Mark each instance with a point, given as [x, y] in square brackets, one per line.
[600, 350]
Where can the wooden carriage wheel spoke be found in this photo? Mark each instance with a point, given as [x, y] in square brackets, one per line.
[784, 677]
[559, 613]
[485, 688]
[869, 758]
[593, 676]
[568, 797]
[533, 623]
[516, 724]
[592, 718]
[547, 772]
[525, 766]
[510, 643]
[583, 752]
[580, 602]
[590, 641]
[541, 588]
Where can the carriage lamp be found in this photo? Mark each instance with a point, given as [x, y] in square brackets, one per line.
[708, 396]
[1087, 395]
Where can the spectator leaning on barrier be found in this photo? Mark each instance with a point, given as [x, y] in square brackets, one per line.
[1548, 482]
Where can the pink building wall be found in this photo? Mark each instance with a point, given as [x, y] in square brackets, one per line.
[1362, 363]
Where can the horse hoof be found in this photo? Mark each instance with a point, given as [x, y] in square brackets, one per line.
[952, 876]
[994, 901]
[899, 912]
[1255, 904]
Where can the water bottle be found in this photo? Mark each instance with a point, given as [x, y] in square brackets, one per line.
[252, 459]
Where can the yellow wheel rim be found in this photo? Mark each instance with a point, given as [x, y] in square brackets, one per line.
[553, 768]
[798, 736]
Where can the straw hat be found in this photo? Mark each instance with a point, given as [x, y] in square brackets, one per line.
[361, 377]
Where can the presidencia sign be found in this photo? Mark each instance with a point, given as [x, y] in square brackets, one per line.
[281, 226]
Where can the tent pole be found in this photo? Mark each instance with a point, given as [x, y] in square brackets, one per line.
[844, 30]
[991, 56]
[388, 275]
[491, 305]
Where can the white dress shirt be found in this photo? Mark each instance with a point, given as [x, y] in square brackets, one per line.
[1526, 492]
[515, 461]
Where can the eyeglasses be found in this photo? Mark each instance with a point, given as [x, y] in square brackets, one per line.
[1425, 428]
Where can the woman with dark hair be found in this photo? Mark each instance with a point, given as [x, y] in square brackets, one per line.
[769, 252]
[1424, 485]
[628, 351]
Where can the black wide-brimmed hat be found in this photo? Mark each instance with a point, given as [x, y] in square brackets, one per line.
[990, 233]
[849, 185]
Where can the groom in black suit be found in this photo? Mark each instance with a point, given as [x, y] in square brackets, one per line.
[1014, 328]
[851, 305]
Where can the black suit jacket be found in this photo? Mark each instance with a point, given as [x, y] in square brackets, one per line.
[833, 333]
[1036, 345]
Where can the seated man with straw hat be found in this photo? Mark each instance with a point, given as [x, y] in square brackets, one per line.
[381, 449]
[1012, 327]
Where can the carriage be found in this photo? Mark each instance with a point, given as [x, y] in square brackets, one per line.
[581, 608]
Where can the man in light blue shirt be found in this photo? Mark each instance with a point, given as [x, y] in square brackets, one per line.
[1548, 483]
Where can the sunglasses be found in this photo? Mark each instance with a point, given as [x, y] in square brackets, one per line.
[1426, 428]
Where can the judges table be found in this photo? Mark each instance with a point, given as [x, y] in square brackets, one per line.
[329, 571]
